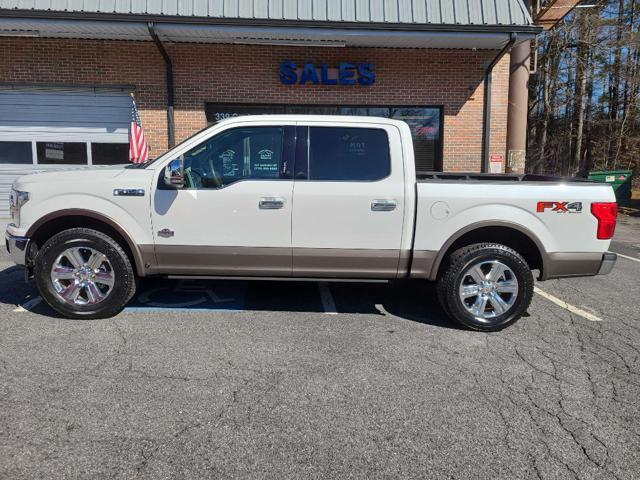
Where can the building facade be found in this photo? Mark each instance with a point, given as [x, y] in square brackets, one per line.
[67, 76]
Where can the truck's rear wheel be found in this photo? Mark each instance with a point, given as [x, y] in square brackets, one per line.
[85, 274]
[485, 286]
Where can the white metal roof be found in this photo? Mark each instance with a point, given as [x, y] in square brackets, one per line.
[427, 12]
[468, 24]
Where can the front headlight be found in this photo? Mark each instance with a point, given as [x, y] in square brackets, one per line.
[16, 201]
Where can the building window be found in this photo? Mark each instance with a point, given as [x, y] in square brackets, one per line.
[425, 122]
[425, 130]
[348, 154]
[109, 153]
[15, 152]
[62, 153]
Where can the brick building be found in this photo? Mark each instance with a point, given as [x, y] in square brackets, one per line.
[68, 68]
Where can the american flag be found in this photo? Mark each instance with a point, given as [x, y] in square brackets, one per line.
[138, 148]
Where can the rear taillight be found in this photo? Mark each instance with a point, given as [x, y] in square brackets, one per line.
[606, 214]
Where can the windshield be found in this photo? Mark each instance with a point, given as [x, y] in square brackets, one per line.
[168, 152]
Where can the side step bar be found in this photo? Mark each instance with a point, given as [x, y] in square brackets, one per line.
[279, 279]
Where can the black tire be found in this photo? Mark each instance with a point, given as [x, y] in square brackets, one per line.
[124, 283]
[455, 272]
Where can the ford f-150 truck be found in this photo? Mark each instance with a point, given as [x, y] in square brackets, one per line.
[306, 197]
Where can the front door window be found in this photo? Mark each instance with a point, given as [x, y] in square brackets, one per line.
[251, 153]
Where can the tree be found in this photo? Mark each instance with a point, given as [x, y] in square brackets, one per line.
[584, 100]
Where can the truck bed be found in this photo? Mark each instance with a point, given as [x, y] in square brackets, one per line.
[496, 177]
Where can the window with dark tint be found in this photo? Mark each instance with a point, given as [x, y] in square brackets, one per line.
[238, 154]
[62, 153]
[109, 153]
[15, 152]
[352, 154]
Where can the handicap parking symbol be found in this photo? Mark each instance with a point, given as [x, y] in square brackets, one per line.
[191, 294]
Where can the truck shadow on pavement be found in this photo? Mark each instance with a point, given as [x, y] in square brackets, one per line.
[414, 301]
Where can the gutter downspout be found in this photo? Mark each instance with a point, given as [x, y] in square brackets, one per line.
[171, 128]
[486, 117]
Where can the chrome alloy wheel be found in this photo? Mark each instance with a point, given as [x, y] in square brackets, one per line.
[82, 276]
[489, 288]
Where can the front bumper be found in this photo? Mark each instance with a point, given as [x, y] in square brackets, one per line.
[608, 262]
[18, 248]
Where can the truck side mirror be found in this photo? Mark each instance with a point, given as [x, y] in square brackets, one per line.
[174, 173]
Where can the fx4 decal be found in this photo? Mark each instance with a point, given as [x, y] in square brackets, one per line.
[560, 207]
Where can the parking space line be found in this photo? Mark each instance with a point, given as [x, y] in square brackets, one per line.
[567, 306]
[328, 304]
[627, 257]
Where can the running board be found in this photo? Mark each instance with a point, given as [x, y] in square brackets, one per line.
[279, 279]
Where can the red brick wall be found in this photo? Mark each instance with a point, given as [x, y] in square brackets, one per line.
[243, 73]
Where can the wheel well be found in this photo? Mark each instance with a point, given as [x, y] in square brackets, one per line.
[510, 237]
[57, 225]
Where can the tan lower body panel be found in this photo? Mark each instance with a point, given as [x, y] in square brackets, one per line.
[422, 263]
[325, 262]
[556, 265]
[146, 259]
[274, 262]
[206, 260]
[345, 263]
[562, 264]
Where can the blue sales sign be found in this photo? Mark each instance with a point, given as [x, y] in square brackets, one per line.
[345, 74]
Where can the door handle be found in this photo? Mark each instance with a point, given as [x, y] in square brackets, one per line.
[383, 205]
[270, 203]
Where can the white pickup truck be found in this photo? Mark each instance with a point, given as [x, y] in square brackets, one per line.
[306, 197]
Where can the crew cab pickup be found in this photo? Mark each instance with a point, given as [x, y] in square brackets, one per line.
[306, 197]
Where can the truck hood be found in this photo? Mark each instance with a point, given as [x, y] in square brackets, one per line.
[71, 175]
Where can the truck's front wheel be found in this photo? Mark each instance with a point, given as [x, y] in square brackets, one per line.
[485, 286]
[85, 274]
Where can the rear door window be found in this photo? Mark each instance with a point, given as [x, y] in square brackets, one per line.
[348, 154]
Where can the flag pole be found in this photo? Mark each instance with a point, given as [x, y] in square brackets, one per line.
[138, 146]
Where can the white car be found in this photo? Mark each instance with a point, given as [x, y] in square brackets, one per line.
[306, 197]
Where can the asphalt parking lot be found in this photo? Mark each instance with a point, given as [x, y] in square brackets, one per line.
[333, 380]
